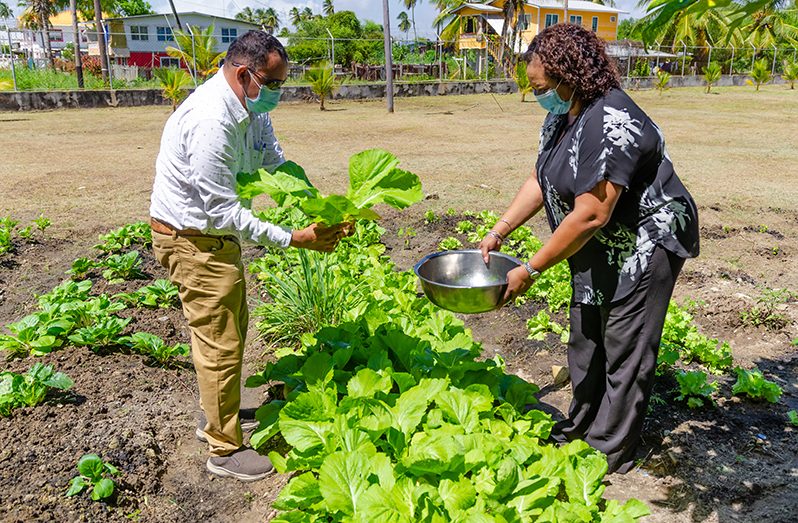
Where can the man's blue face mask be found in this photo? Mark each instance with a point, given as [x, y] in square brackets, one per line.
[266, 100]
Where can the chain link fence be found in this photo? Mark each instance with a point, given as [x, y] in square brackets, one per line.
[38, 60]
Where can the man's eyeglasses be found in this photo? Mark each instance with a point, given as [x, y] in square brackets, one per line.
[266, 82]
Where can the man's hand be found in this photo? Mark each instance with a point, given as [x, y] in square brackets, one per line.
[319, 237]
[518, 283]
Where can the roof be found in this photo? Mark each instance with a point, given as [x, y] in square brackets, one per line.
[574, 5]
[186, 13]
[485, 8]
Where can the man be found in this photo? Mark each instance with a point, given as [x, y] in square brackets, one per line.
[198, 223]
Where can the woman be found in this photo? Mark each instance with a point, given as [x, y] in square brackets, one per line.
[621, 218]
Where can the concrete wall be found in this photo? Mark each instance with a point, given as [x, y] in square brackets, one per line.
[26, 101]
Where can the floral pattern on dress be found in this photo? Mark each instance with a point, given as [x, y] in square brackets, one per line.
[573, 161]
[547, 131]
[620, 129]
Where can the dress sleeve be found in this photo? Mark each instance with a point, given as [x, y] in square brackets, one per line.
[210, 156]
[609, 144]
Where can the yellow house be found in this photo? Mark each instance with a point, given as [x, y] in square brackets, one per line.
[481, 24]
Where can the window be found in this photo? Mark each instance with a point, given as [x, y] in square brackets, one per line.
[552, 20]
[612, 19]
[139, 32]
[595, 24]
[229, 34]
[470, 27]
[56, 35]
[168, 61]
[524, 22]
[576, 19]
[165, 34]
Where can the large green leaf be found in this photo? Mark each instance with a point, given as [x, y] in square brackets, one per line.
[583, 480]
[289, 179]
[457, 496]
[102, 489]
[384, 505]
[435, 453]
[343, 481]
[629, 512]
[465, 406]
[367, 383]
[412, 405]
[91, 466]
[374, 178]
[336, 209]
[300, 493]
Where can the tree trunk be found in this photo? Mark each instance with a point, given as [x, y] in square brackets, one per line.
[48, 49]
[98, 21]
[76, 40]
[413, 16]
[322, 102]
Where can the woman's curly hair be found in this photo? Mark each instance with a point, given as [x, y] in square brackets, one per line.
[572, 54]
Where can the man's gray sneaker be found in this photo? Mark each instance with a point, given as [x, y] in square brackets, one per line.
[245, 416]
[244, 465]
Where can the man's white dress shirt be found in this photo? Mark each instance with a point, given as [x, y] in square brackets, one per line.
[205, 143]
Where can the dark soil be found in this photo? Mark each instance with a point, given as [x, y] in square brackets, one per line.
[735, 461]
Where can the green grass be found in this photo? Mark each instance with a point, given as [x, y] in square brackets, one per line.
[49, 80]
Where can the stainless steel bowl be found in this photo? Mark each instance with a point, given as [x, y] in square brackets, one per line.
[461, 282]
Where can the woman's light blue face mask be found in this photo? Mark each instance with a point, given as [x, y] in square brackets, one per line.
[550, 100]
[267, 98]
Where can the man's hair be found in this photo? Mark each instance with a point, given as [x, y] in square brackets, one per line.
[577, 57]
[252, 48]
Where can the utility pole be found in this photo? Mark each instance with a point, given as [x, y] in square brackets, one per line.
[76, 40]
[98, 21]
[177, 18]
[386, 22]
[565, 8]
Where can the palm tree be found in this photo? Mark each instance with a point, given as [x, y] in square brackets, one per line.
[760, 74]
[521, 78]
[663, 79]
[712, 73]
[295, 15]
[328, 8]
[175, 84]
[246, 15]
[411, 4]
[307, 13]
[271, 20]
[202, 57]
[770, 26]
[5, 11]
[791, 73]
[404, 23]
[37, 16]
[322, 81]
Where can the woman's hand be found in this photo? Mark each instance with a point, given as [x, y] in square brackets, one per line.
[519, 282]
[489, 243]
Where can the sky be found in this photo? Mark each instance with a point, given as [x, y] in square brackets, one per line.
[365, 9]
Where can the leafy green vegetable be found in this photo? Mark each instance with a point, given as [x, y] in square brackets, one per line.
[29, 389]
[694, 388]
[680, 335]
[754, 385]
[95, 475]
[42, 223]
[160, 294]
[374, 177]
[105, 332]
[450, 244]
[121, 267]
[154, 347]
[118, 240]
[81, 268]
[541, 324]
[792, 416]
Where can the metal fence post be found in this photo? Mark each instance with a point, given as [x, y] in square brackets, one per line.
[709, 58]
[193, 54]
[11, 52]
[684, 55]
[775, 53]
[753, 57]
[731, 64]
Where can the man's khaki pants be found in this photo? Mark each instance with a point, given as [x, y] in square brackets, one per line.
[208, 273]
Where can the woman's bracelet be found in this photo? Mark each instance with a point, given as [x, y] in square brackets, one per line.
[508, 223]
[496, 235]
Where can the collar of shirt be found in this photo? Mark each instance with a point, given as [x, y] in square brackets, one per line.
[238, 111]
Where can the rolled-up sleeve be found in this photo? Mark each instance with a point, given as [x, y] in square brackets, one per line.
[210, 154]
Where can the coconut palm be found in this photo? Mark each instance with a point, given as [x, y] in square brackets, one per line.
[307, 13]
[712, 74]
[202, 56]
[770, 26]
[404, 23]
[36, 16]
[521, 78]
[322, 81]
[411, 4]
[791, 73]
[5, 11]
[760, 74]
[175, 84]
[295, 15]
[663, 79]
[328, 8]
[271, 20]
